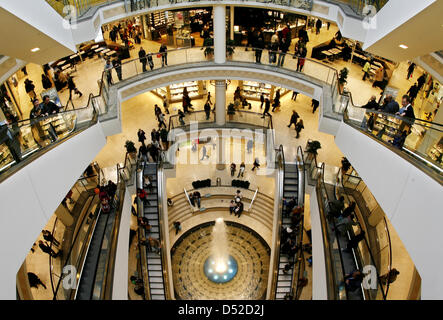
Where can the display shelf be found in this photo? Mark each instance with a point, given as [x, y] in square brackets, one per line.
[435, 152]
[253, 90]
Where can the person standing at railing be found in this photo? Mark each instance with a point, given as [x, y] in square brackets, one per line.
[108, 70]
[207, 109]
[260, 45]
[241, 172]
[275, 41]
[283, 49]
[118, 67]
[47, 235]
[233, 169]
[164, 53]
[142, 58]
[47, 249]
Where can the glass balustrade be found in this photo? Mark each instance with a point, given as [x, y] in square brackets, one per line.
[21, 141]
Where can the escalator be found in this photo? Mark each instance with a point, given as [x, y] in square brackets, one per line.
[290, 190]
[101, 231]
[154, 262]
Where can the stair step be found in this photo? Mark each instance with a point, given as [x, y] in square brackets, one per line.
[157, 291]
[155, 267]
[157, 297]
[291, 175]
[289, 194]
[151, 216]
[154, 273]
[291, 187]
[283, 289]
[156, 279]
[291, 181]
[156, 285]
[283, 284]
[150, 209]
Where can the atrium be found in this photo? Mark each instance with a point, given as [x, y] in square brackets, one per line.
[221, 150]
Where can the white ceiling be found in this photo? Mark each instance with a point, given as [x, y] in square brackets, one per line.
[422, 33]
[18, 37]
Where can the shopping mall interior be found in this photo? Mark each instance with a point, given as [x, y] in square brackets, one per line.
[221, 150]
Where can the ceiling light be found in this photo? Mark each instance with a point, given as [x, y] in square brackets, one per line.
[35, 49]
[403, 46]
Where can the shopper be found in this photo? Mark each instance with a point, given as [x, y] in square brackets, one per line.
[275, 43]
[166, 104]
[421, 81]
[197, 198]
[411, 69]
[118, 67]
[207, 109]
[34, 281]
[108, 71]
[238, 209]
[46, 83]
[298, 127]
[366, 69]
[294, 95]
[47, 235]
[259, 44]
[314, 104]
[413, 92]
[47, 249]
[389, 277]
[164, 52]
[407, 110]
[204, 153]
[49, 107]
[353, 280]
[73, 87]
[29, 88]
[142, 58]
[233, 169]
[294, 118]
[372, 104]
[390, 105]
[241, 170]
[353, 243]
[177, 227]
[232, 206]
[262, 100]
[318, 26]
[150, 61]
[141, 136]
[256, 164]
[283, 48]
[161, 120]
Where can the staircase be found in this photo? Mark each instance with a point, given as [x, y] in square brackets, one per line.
[290, 190]
[154, 261]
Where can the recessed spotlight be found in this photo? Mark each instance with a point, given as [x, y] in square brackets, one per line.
[403, 46]
[35, 49]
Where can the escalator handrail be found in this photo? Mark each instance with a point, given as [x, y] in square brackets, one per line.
[277, 248]
[106, 294]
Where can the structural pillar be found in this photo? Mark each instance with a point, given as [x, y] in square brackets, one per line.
[63, 214]
[231, 22]
[219, 33]
[220, 102]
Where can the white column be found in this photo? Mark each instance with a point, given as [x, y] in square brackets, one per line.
[220, 102]
[219, 33]
[231, 22]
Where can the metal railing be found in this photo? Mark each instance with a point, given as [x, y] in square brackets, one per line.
[415, 140]
[280, 160]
